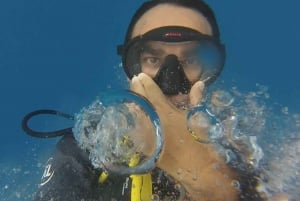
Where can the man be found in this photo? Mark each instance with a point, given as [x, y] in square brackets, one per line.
[172, 50]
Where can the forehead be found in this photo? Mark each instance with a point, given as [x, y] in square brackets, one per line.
[171, 15]
[159, 47]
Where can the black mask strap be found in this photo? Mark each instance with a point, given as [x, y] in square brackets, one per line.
[171, 77]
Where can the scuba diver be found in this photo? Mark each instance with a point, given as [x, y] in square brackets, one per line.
[171, 52]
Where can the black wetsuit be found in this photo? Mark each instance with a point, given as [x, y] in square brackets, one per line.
[69, 176]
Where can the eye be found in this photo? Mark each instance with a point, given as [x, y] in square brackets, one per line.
[191, 62]
[150, 61]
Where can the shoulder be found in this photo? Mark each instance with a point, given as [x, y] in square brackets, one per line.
[68, 147]
[68, 174]
[67, 161]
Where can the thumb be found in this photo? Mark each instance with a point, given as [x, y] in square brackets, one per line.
[150, 90]
[137, 86]
[196, 93]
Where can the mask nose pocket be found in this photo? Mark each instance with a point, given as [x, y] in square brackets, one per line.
[171, 77]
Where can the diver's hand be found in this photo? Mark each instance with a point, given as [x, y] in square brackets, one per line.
[198, 167]
[195, 95]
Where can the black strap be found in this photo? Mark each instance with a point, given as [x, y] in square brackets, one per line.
[49, 134]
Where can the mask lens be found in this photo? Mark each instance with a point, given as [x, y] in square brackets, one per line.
[202, 58]
[132, 63]
[210, 57]
[207, 56]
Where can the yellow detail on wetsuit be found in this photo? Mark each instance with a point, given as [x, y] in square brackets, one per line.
[102, 178]
[141, 184]
[141, 187]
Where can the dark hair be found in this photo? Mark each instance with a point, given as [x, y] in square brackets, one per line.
[197, 5]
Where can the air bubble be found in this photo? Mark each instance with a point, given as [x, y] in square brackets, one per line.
[229, 155]
[194, 178]
[155, 197]
[216, 131]
[221, 99]
[110, 130]
[285, 110]
[235, 184]
[179, 171]
[202, 123]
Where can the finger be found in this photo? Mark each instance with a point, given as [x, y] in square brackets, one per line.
[137, 86]
[196, 93]
[153, 92]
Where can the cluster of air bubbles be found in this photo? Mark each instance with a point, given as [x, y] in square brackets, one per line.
[116, 134]
[256, 137]
[282, 172]
[86, 124]
[19, 178]
[102, 132]
[120, 77]
[200, 120]
[233, 122]
[296, 119]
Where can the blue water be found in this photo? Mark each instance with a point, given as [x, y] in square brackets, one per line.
[61, 54]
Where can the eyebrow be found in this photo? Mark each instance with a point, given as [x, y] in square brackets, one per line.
[190, 52]
[154, 51]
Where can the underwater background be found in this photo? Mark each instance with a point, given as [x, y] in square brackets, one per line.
[62, 54]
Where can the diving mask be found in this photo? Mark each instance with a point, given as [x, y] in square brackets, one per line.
[175, 57]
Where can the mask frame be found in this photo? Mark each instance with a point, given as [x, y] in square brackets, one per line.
[168, 34]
